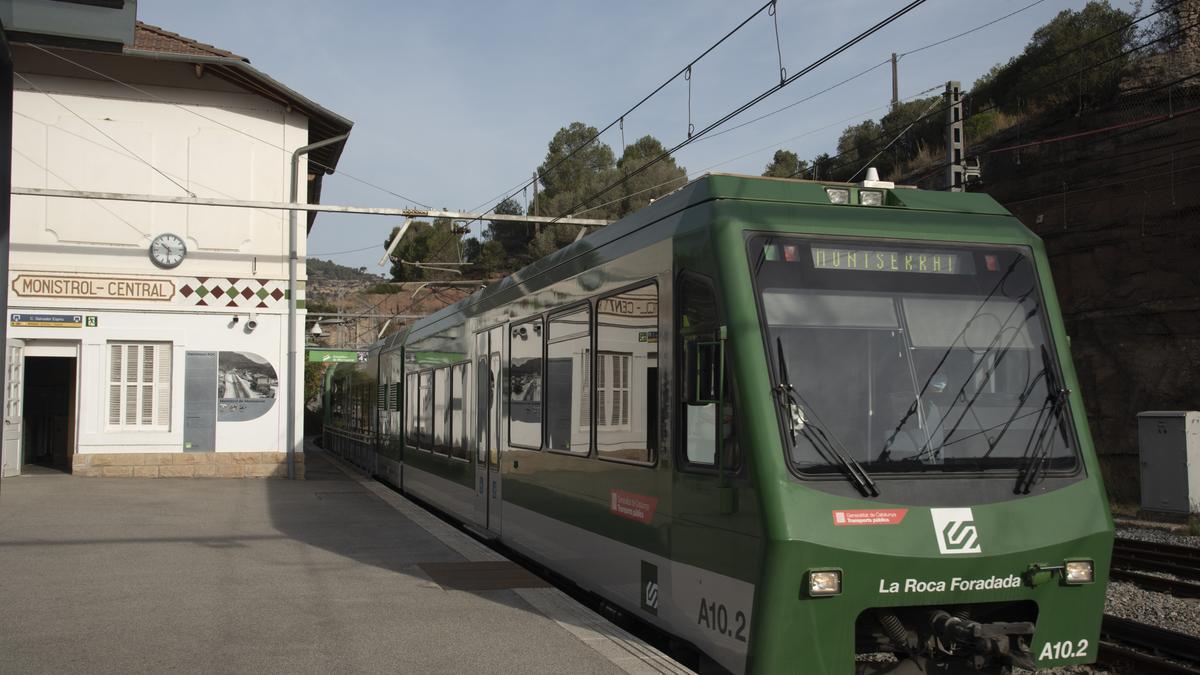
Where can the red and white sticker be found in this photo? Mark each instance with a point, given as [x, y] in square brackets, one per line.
[844, 517]
[632, 506]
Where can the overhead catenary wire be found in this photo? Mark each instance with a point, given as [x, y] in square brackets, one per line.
[752, 102]
[770, 146]
[1055, 59]
[968, 32]
[684, 71]
[243, 132]
[872, 69]
[1119, 129]
[103, 133]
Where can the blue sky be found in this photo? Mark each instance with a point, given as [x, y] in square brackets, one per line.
[454, 103]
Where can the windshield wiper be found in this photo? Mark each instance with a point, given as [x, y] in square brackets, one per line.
[828, 446]
[1056, 398]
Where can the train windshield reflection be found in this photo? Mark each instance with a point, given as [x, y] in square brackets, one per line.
[911, 369]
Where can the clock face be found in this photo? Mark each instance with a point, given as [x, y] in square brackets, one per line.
[167, 250]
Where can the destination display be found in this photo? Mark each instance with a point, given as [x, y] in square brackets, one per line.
[891, 260]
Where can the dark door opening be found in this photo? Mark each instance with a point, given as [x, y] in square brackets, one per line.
[49, 421]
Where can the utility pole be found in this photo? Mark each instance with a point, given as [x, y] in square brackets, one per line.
[954, 137]
[895, 81]
[537, 228]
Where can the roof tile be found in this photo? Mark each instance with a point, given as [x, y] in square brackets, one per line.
[147, 37]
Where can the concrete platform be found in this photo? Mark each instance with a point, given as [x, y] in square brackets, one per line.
[237, 575]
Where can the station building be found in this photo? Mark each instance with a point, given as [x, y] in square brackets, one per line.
[149, 339]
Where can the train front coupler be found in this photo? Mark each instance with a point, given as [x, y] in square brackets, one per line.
[1003, 642]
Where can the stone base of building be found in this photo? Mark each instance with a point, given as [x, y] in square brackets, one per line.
[185, 465]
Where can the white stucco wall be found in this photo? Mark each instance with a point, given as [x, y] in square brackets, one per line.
[215, 141]
[204, 140]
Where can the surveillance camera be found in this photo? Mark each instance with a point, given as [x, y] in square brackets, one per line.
[252, 323]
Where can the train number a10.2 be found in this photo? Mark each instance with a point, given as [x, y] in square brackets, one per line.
[715, 617]
[1063, 650]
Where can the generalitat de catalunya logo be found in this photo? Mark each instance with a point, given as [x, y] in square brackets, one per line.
[955, 531]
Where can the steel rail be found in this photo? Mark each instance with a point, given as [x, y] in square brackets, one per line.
[1159, 642]
[1140, 662]
[1132, 554]
[1177, 587]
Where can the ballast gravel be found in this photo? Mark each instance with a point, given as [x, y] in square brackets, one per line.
[1127, 601]
[1157, 535]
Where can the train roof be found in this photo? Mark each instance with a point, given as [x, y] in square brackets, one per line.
[709, 187]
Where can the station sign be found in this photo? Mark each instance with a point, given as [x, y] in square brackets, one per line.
[94, 288]
[46, 320]
[337, 356]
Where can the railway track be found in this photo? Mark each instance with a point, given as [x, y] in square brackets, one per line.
[1140, 648]
[1133, 559]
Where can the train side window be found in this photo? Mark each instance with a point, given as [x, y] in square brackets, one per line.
[411, 410]
[458, 427]
[441, 410]
[699, 322]
[525, 385]
[625, 384]
[425, 411]
[568, 378]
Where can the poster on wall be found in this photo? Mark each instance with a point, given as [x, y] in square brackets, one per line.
[246, 386]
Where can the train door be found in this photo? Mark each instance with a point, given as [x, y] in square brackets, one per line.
[488, 348]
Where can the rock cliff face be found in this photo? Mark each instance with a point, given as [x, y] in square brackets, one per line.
[1115, 195]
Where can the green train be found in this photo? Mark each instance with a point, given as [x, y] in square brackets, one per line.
[801, 426]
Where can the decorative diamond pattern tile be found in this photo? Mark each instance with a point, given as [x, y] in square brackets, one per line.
[233, 292]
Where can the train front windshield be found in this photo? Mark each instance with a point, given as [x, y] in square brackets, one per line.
[911, 358]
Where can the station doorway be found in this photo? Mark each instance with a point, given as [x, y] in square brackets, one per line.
[48, 441]
[40, 406]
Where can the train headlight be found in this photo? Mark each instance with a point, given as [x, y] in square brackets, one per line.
[1078, 572]
[824, 582]
[870, 197]
[838, 195]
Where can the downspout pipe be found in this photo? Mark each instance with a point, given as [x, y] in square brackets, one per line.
[293, 263]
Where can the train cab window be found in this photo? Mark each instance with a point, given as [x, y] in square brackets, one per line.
[441, 410]
[626, 377]
[525, 385]
[568, 378]
[425, 411]
[458, 427]
[699, 322]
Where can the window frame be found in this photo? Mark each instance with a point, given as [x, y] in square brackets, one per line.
[681, 459]
[655, 451]
[458, 440]
[159, 390]
[512, 327]
[585, 305]
[422, 443]
[412, 410]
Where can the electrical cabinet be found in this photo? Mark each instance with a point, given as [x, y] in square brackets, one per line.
[1169, 445]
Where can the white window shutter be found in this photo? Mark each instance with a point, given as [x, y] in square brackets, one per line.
[163, 385]
[114, 384]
